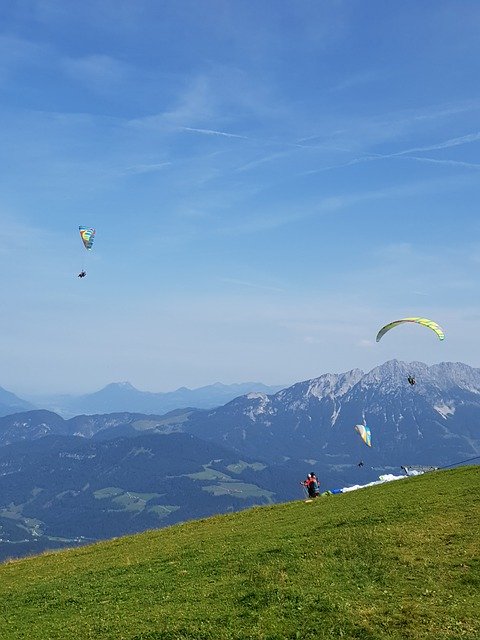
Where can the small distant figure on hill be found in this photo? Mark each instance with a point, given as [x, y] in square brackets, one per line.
[411, 380]
[82, 274]
[311, 484]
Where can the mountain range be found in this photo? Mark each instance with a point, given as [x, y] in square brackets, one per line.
[93, 476]
[122, 396]
[431, 423]
[10, 403]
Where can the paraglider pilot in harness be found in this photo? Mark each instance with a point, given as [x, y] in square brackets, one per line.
[411, 380]
[312, 485]
[82, 274]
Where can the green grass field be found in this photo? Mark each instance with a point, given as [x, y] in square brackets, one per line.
[395, 561]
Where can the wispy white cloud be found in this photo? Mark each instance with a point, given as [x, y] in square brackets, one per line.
[99, 71]
[366, 344]
[16, 53]
[355, 80]
[445, 144]
[349, 163]
[193, 104]
[252, 285]
[395, 251]
[287, 148]
[357, 134]
[144, 168]
[347, 139]
[18, 235]
[263, 160]
[287, 215]
[213, 132]
[451, 163]
[414, 274]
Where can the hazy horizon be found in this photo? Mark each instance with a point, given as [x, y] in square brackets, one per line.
[26, 395]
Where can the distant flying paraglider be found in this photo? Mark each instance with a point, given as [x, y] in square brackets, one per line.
[87, 234]
[364, 432]
[430, 324]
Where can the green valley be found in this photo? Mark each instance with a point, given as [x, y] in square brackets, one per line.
[398, 561]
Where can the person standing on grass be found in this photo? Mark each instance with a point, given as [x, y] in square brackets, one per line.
[315, 484]
[311, 484]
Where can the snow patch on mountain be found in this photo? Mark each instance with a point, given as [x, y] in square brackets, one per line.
[260, 407]
[254, 395]
[444, 410]
[336, 413]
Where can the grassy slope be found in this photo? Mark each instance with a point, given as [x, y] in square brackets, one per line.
[394, 561]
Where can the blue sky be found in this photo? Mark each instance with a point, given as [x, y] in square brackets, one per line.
[270, 182]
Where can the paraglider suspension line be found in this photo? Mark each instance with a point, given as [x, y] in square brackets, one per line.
[454, 464]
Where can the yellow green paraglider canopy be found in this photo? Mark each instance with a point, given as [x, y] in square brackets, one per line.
[430, 324]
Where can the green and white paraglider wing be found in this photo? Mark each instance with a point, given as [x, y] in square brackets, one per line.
[365, 434]
[87, 234]
[430, 324]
